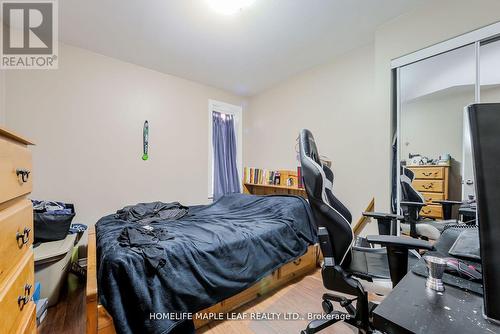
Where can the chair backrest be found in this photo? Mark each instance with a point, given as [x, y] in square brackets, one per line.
[334, 202]
[328, 211]
[408, 192]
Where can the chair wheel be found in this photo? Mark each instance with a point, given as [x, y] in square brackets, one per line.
[327, 306]
[303, 332]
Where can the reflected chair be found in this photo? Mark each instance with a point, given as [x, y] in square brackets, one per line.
[412, 202]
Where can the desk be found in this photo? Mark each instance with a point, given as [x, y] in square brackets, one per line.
[411, 308]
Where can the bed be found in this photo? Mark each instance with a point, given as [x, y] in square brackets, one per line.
[221, 256]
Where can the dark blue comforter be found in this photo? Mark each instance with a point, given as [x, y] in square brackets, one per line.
[218, 250]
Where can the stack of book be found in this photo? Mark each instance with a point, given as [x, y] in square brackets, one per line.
[285, 178]
[41, 310]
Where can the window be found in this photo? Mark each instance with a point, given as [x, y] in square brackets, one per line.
[236, 113]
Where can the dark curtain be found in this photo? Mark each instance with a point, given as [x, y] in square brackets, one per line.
[226, 178]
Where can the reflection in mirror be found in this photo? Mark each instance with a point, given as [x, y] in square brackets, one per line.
[433, 94]
[489, 84]
[489, 56]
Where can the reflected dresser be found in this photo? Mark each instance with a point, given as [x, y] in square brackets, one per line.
[432, 182]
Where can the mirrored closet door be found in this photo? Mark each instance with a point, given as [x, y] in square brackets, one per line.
[432, 90]
[433, 94]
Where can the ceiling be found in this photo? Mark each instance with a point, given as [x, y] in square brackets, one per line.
[245, 53]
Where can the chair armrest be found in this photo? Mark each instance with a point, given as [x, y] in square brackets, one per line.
[381, 215]
[412, 214]
[397, 252]
[447, 207]
[413, 204]
[403, 242]
[387, 222]
[447, 202]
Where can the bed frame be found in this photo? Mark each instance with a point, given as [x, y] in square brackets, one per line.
[100, 322]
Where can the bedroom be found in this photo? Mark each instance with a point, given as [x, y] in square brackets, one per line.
[188, 102]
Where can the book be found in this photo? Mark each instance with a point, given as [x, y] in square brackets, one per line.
[41, 318]
[41, 309]
[277, 178]
[282, 177]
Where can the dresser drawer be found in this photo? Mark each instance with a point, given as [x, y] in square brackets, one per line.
[429, 185]
[294, 268]
[431, 197]
[27, 324]
[15, 299]
[428, 172]
[14, 158]
[16, 235]
[432, 211]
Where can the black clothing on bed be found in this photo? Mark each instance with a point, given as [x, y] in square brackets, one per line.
[145, 241]
[145, 213]
[218, 251]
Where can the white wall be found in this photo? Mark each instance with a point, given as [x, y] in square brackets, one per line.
[334, 102]
[86, 119]
[433, 125]
[347, 103]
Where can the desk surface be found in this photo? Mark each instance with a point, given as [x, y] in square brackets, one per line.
[412, 308]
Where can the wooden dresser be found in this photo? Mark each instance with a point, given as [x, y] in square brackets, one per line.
[17, 275]
[432, 182]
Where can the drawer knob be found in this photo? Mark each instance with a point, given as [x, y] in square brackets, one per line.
[428, 186]
[26, 233]
[24, 237]
[297, 262]
[24, 173]
[22, 300]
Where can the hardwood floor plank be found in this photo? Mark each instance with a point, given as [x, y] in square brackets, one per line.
[300, 296]
[68, 316]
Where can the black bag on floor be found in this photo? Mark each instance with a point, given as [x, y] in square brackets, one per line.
[52, 225]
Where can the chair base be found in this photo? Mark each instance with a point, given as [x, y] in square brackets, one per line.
[317, 325]
[332, 316]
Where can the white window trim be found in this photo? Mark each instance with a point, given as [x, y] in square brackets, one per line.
[237, 112]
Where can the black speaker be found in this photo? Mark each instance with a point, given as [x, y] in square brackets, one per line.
[485, 135]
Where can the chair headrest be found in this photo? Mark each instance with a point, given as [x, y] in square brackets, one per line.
[408, 173]
[408, 192]
[308, 146]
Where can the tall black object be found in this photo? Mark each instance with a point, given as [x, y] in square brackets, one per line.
[485, 133]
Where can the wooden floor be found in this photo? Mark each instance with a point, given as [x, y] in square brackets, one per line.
[68, 316]
[300, 297]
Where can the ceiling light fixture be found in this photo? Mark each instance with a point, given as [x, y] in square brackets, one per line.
[229, 7]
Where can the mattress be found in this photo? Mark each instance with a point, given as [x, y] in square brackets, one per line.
[217, 251]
